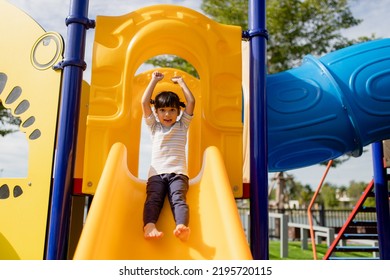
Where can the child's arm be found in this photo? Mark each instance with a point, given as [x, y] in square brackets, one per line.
[190, 106]
[145, 101]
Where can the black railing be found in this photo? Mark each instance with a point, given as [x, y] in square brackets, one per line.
[324, 217]
[321, 217]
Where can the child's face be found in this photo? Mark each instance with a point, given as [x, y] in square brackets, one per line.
[167, 115]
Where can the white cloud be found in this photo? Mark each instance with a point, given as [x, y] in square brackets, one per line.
[13, 155]
[375, 19]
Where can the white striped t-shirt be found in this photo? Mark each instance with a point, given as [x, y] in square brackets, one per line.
[168, 146]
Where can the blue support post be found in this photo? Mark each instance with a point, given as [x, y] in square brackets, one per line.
[73, 66]
[382, 201]
[258, 132]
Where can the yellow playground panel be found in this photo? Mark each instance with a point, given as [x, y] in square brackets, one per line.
[122, 44]
[113, 229]
[30, 88]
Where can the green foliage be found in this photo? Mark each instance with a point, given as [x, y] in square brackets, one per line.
[305, 195]
[297, 191]
[233, 12]
[8, 123]
[296, 28]
[356, 190]
[328, 196]
[173, 61]
[301, 193]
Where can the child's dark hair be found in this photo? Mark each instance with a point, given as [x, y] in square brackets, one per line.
[167, 99]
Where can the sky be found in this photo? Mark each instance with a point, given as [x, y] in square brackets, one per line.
[51, 14]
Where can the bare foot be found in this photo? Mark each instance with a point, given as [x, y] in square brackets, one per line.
[182, 232]
[151, 232]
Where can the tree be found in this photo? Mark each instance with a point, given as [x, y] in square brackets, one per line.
[356, 190]
[296, 27]
[287, 189]
[328, 196]
[173, 61]
[301, 27]
[233, 12]
[8, 123]
[305, 195]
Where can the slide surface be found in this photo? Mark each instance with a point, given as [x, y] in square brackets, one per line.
[114, 227]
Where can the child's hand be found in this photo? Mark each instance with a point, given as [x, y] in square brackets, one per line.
[177, 79]
[157, 76]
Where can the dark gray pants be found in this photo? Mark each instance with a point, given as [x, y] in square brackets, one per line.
[157, 188]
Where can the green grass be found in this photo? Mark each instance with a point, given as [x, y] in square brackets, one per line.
[296, 253]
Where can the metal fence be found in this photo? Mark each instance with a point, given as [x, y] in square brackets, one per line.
[322, 217]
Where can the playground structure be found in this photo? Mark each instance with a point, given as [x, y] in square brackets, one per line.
[344, 90]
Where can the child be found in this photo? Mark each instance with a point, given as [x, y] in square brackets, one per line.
[168, 170]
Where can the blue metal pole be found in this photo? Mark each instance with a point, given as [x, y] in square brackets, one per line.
[73, 66]
[382, 201]
[258, 132]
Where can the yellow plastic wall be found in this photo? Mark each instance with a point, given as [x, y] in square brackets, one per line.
[27, 54]
[122, 44]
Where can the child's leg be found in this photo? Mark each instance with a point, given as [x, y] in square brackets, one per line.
[177, 194]
[155, 196]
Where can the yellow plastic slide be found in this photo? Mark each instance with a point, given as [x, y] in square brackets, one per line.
[114, 227]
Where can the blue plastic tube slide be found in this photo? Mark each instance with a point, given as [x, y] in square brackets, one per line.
[329, 107]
